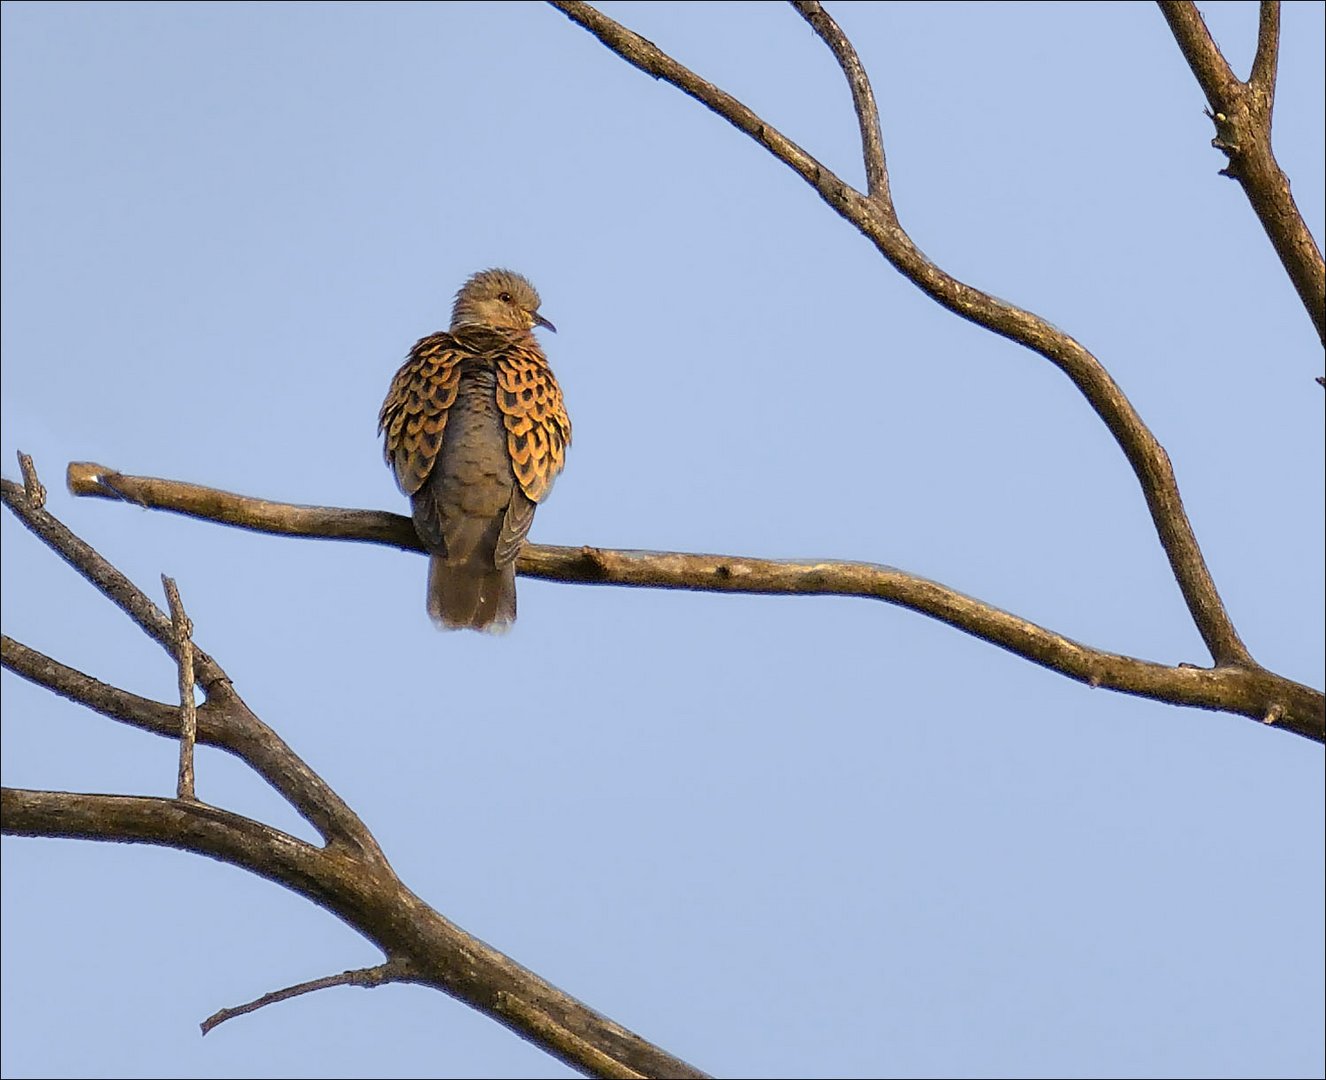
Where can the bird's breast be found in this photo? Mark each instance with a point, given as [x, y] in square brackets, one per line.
[475, 462]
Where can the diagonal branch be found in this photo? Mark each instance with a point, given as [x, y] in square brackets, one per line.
[876, 219]
[368, 978]
[237, 728]
[1208, 63]
[1245, 689]
[218, 726]
[414, 937]
[111, 701]
[863, 98]
[349, 876]
[189, 826]
[1267, 58]
[1242, 116]
[107, 580]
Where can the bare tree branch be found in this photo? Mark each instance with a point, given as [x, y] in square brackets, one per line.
[32, 487]
[370, 899]
[876, 219]
[1242, 116]
[242, 511]
[350, 876]
[863, 99]
[370, 977]
[1199, 48]
[189, 826]
[183, 630]
[1267, 59]
[243, 733]
[1245, 689]
[111, 701]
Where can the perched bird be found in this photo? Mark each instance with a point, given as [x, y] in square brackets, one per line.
[476, 432]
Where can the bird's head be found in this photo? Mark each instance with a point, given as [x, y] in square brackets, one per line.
[498, 298]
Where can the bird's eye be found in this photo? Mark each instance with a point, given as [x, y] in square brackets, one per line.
[504, 297]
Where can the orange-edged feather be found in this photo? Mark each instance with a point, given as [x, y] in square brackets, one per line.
[538, 429]
[414, 416]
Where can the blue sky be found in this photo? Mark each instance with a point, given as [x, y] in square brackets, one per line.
[777, 836]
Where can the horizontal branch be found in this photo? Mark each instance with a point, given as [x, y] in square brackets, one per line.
[189, 826]
[1244, 689]
[242, 511]
[1247, 690]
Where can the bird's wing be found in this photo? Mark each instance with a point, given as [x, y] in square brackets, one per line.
[516, 521]
[414, 415]
[538, 431]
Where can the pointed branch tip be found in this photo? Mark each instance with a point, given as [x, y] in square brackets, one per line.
[368, 978]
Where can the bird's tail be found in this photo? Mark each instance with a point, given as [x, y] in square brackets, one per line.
[461, 595]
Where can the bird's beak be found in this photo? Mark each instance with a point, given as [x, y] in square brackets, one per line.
[539, 320]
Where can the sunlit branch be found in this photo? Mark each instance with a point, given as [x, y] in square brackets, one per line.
[1244, 689]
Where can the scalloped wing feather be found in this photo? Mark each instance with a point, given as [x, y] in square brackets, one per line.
[538, 429]
[414, 416]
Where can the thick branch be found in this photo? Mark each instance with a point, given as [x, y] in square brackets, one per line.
[370, 898]
[876, 219]
[1267, 59]
[349, 876]
[1244, 689]
[1199, 49]
[189, 826]
[1242, 115]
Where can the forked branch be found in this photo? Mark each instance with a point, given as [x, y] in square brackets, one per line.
[1242, 113]
[875, 217]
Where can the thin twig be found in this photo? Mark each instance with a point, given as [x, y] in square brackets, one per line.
[368, 978]
[183, 628]
[32, 487]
